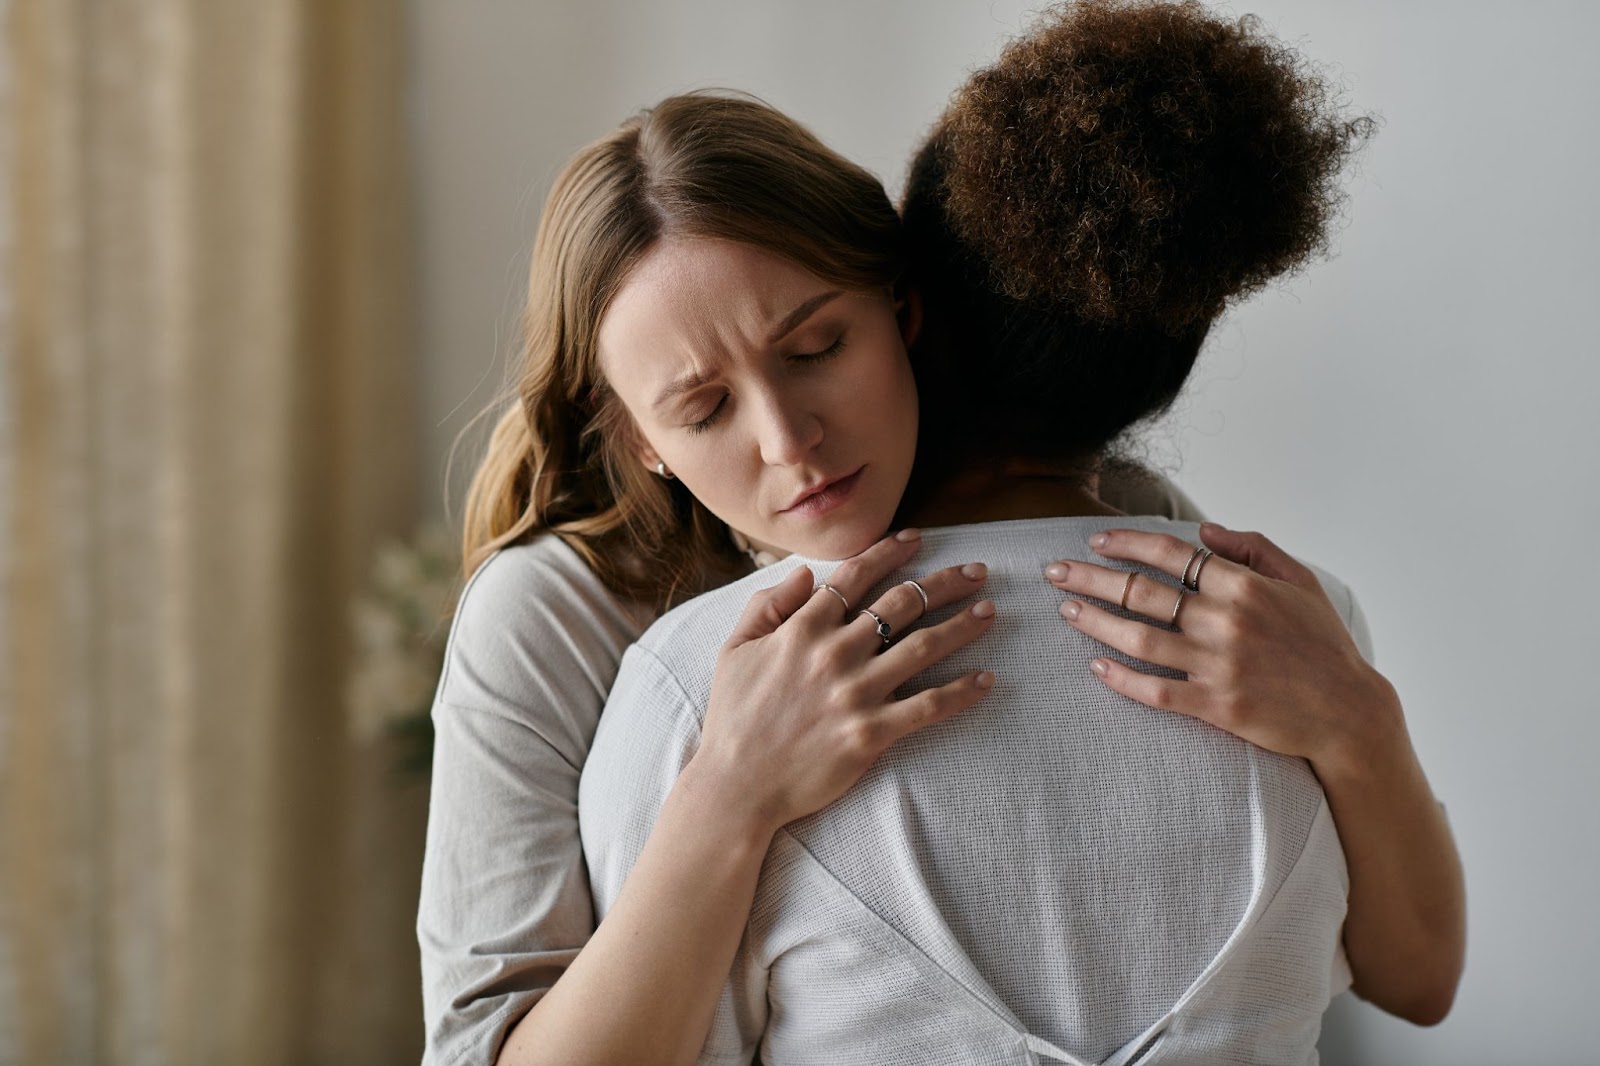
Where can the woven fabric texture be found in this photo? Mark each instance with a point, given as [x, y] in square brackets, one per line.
[1056, 875]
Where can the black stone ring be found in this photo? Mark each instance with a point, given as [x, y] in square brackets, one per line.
[885, 630]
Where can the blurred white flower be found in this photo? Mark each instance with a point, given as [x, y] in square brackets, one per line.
[397, 569]
[398, 628]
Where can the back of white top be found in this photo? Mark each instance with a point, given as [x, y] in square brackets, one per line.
[1058, 872]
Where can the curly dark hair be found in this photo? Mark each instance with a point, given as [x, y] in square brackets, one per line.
[1089, 205]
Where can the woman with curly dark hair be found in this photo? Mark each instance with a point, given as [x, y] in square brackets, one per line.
[1085, 212]
[1178, 891]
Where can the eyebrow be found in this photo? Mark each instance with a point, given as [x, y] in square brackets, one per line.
[687, 383]
[791, 322]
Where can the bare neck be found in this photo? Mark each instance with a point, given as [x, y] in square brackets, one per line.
[1002, 490]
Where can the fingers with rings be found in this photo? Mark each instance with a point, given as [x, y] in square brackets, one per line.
[921, 648]
[837, 593]
[901, 606]
[853, 578]
[1135, 639]
[1179, 558]
[920, 592]
[885, 630]
[1176, 607]
[1131, 590]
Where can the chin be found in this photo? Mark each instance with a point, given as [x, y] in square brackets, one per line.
[842, 540]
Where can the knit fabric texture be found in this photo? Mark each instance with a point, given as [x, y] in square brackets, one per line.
[1058, 874]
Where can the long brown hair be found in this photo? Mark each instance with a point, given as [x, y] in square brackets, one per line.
[560, 459]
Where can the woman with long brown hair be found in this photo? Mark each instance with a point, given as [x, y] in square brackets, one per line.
[574, 545]
[600, 520]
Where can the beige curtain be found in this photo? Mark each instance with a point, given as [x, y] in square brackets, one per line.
[204, 426]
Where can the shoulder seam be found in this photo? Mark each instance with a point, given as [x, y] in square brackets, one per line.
[455, 618]
[665, 671]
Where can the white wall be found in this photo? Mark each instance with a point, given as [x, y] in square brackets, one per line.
[1421, 414]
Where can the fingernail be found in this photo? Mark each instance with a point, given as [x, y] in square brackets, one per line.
[1212, 527]
[974, 571]
[906, 536]
[984, 679]
[1056, 571]
[1100, 540]
[1100, 666]
[1070, 609]
[983, 609]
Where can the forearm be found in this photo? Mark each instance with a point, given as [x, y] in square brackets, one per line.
[1405, 933]
[646, 985]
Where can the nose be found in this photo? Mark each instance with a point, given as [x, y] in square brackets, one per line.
[789, 433]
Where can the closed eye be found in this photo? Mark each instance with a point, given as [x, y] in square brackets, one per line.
[804, 358]
[816, 357]
[705, 423]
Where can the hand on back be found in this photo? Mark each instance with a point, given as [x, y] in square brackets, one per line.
[1265, 654]
[802, 702]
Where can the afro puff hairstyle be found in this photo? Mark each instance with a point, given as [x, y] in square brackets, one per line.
[1089, 205]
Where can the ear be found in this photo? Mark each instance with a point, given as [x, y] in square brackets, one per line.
[648, 456]
[633, 440]
[908, 311]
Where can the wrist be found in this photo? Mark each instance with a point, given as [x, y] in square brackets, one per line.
[716, 799]
[1375, 744]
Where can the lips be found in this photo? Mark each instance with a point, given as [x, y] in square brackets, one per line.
[825, 496]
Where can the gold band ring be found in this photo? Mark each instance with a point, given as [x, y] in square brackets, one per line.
[1127, 586]
[1176, 607]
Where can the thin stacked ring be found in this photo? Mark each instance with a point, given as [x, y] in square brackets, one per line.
[837, 593]
[1176, 607]
[1192, 581]
[920, 592]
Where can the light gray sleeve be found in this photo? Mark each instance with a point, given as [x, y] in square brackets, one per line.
[1356, 619]
[648, 733]
[1344, 601]
[505, 903]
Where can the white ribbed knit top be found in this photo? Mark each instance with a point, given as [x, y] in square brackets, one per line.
[1056, 875]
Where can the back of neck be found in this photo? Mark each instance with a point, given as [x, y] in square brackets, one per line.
[1003, 490]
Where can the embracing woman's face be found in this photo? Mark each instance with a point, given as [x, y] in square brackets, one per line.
[785, 404]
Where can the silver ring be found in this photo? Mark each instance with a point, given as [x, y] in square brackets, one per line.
[1198, 552]
[837, 593]
[1127, 587]
[1176, 607]
[884, 629]
[920, 592]
[1194, 580]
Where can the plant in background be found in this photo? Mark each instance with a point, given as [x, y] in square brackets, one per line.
[399, 624]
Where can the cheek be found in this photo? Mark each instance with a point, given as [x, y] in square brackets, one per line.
[710, 468]
[889, 400]
[698, 461]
